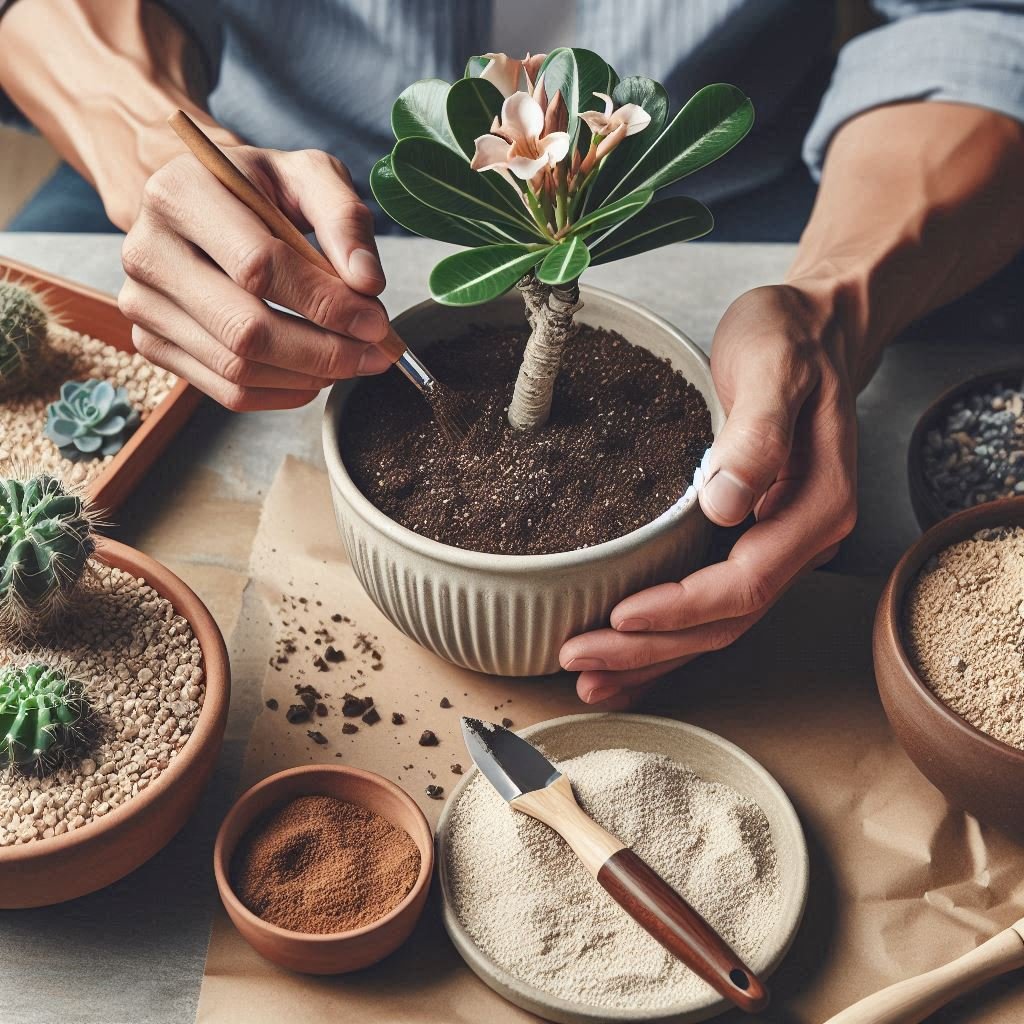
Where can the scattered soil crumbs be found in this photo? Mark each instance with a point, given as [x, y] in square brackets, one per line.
[142, 670]
[625, 436]
[74, 356]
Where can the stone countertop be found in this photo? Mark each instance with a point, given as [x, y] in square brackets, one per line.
[135, 952]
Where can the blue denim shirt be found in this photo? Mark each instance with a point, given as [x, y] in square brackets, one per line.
[324, 73]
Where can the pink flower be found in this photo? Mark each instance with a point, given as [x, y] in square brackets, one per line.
[517, 142]
[504, 72]
[633, 117]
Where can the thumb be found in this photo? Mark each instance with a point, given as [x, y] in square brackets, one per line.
[752, 448]
[318, 194]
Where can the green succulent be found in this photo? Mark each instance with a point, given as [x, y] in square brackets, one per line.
[23, 324]
[91, 419]
[46, 539]
[42, 712]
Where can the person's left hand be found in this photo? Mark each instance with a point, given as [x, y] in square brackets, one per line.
[788, 452]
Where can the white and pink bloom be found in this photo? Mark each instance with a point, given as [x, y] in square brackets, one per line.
[517, 142]
[630, 116]
[505, 72]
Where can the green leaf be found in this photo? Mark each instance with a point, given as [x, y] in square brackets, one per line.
[475, 66]
[444, 180]
[564, 262]
[478, 275]
[710, 124]
[577, 74]
[646, 93]
[614, 213]
[419, 112]
[406, 210]
[676, 219]
[472, 105]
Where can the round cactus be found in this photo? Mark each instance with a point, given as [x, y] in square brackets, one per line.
[23, 323]
[46, 539]
[91, 419]
[42, 713]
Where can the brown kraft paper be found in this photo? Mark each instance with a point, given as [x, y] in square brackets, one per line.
[900, 882]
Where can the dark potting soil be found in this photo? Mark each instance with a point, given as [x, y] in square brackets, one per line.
[626, 433]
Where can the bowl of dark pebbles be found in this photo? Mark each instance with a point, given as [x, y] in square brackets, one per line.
[968, 447]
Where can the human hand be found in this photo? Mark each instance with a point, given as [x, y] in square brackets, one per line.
[788, 452]
[199, 264]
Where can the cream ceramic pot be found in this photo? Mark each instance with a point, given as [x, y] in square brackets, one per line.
[509, 614]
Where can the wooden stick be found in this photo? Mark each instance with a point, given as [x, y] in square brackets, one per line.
[213, 158]
[911, 1000]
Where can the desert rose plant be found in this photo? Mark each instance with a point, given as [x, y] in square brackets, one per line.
[542, 167]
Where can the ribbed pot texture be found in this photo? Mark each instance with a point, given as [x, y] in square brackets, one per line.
[509, 614]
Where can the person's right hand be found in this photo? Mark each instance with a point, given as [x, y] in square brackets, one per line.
[200, 264]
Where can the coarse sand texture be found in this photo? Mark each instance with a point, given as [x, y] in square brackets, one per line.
[142, 671]
[964, 630]
[533, 909]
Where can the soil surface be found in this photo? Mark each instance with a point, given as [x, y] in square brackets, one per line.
[625, 435]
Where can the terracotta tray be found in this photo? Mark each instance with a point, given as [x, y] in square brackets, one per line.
[96, 314]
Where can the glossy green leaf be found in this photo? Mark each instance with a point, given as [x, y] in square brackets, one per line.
[477, 275]
[564, 262]
[650, 95]
[608, 216]
[676, 219]
[444, 181]
[710, 124]
[577, 74]
[419, 112]
[406, 210]
[472, 105]
[475, 66]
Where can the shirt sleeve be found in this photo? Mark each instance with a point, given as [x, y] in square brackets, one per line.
[953, 52]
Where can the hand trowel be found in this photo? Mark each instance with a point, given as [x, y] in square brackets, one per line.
[532, 785]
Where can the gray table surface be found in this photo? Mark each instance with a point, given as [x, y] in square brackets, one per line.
[135, 952]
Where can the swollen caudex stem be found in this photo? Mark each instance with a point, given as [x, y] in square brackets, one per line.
[43, 713]
[46, 538]
[24, 319]
[550, 310]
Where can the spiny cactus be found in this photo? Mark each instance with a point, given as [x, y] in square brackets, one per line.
[42, 714]
[46, 538]
[91, 419]
[23, 321]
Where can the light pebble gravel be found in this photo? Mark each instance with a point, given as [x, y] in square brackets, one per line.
[73, 356]
[142, 670]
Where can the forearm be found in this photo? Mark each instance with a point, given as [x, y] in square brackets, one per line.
[918, 203]
[99, 79]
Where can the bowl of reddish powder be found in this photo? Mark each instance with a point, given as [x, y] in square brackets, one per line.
[949, 659]
[324, 869]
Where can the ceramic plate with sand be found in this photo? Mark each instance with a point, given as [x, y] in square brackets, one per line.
[537, 929]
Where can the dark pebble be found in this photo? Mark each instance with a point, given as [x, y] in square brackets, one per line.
[297, 713]
[507, 722]
[321, 710]
[348, 728]
[397, 718]
[316, 737]
[272, 704]
[445, 702]
[456, 769]
[435, 792]
[428, 739]
[372, 717]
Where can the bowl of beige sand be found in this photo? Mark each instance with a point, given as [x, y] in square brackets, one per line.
[538, 929]
[949, 659]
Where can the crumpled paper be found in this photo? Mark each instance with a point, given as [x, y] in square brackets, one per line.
[900, 882]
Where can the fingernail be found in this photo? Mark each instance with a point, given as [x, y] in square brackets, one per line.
[604, 693]
[633, 626]
[372, 361]
[368, 325]
[362, 263]
[728, 497]
[586, 665]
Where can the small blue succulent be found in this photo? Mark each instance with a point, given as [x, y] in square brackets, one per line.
[91, 419]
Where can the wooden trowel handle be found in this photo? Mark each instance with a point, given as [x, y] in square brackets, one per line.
[910, 1001]
[645, 896]
[653, 903]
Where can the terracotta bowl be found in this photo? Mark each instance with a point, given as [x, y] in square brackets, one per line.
[975, 772]
[927, 508]
[48, 871]
[338, 952]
